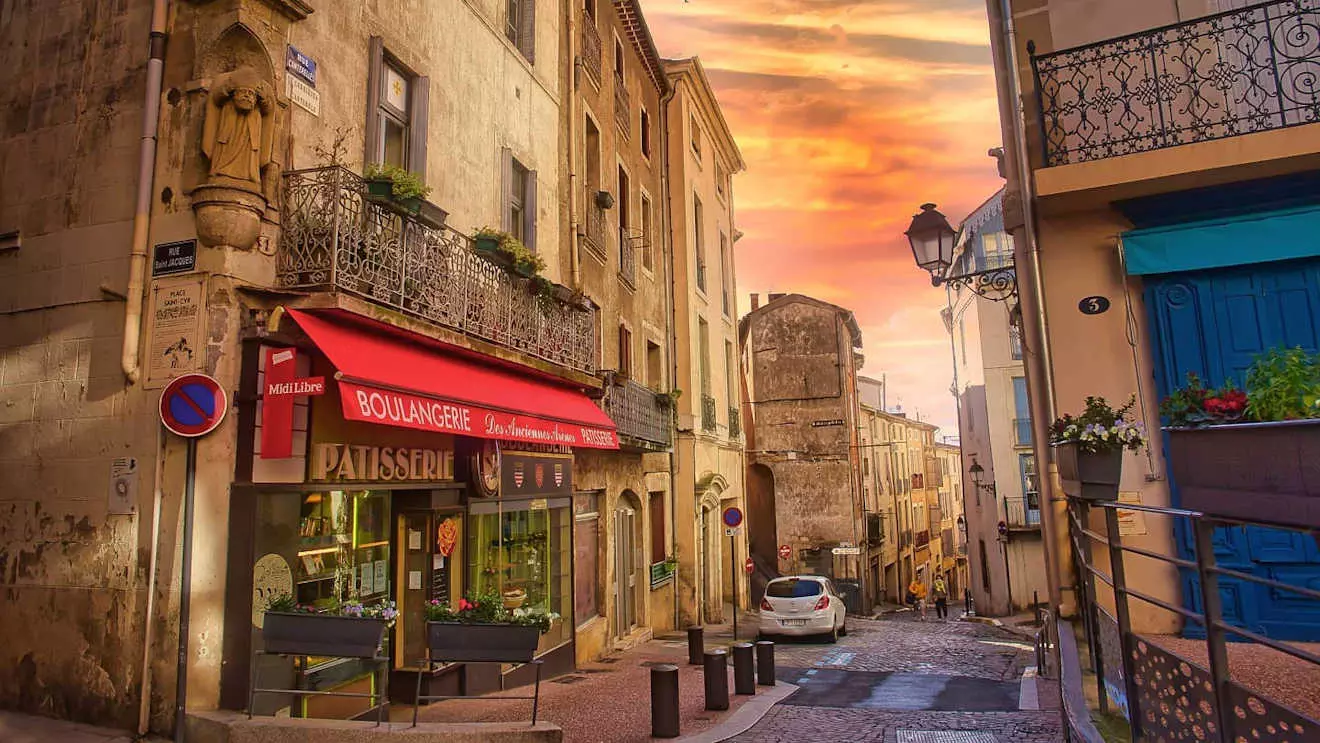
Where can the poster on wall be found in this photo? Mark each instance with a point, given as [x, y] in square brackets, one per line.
[175, 342]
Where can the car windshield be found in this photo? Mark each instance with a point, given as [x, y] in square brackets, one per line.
[792, 589]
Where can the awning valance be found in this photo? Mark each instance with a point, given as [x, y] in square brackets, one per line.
[1233, 241]
[394, 378]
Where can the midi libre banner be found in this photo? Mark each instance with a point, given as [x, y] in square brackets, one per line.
[391, 408]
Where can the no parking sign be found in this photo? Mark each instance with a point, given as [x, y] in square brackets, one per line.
[193, 405]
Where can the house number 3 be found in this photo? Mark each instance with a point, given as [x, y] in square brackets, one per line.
[1093, 305]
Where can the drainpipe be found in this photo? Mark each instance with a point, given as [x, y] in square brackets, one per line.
[672, 339]
[1026, 257]
[137, 256]
[574, 72]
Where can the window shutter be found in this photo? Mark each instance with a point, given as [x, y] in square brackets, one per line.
[506, 189]
[375, 62]
[417, 120]
[529, 210]
[527, 30]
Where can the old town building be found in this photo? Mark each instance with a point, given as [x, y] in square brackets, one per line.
[702, 159]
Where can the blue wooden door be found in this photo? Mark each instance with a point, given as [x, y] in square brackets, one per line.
[1213, 323]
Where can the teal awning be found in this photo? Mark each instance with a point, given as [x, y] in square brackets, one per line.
[1254, 238]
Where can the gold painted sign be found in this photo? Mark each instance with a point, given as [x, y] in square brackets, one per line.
[332, 462]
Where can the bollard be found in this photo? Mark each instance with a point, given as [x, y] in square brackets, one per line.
[716, 670]
[744, 674]
[696, 645]
[765, 663]
[664, 701]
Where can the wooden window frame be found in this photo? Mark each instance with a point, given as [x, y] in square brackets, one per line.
[414, 119]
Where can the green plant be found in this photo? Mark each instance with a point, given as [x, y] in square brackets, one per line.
[512, 249]
[405, 184]
[1100, 428]
[288, 605]
[1198, 405]
[385, 610]
[1284, 384]
[488, 608]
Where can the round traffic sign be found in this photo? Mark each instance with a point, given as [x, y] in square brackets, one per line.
[748, 566]
[733, 517]
[193, 405]
[785, 552]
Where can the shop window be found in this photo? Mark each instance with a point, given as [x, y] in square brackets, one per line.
[586, 546]
[656, 512]
[397, 102]
[522, 550]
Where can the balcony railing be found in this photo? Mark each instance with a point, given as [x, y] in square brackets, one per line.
[922, 538]
[639, 413]
[591, 48]
[1022, 513]
[335, 239]
[622, 108]
[595, 225]
[708, 423]
[1243, 71]
[1022, 432]
[735, 422]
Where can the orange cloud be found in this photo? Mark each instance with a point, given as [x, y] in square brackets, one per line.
[850, 113]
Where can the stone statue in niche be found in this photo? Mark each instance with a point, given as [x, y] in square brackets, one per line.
[239, 129]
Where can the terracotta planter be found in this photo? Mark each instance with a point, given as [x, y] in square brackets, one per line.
[1252, 471]
[321, 634]
[1089, 476]
[482, 643]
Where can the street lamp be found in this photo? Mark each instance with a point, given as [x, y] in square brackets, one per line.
[933, 241]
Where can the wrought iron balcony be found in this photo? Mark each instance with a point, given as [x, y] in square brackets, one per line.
[1022, 513]
[622, 108]
[334, 238]
[1243, 71]
[708, 423]
[735, 422]
[922, 538]
[639, 413]
[595, 225]
[1022, 432]
[591, 47]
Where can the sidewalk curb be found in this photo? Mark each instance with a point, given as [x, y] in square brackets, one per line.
[988, 621]
[747, 715]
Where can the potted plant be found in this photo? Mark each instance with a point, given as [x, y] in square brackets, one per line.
[403, 191]
[1250, 453]
[481, 629]
[508, 251]
[1089, 448]
[349, 630]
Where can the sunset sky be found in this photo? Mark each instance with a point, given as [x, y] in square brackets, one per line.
[850, 114]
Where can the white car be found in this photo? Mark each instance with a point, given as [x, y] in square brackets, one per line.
[803, 605]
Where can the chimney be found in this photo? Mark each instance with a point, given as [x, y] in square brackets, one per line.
[756, 301]
[774, 296]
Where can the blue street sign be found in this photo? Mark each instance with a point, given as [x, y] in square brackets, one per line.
[733, 517]
[301, 65]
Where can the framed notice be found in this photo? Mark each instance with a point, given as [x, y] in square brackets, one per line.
[175, 342]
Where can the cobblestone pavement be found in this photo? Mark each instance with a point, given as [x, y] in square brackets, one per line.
[901, 675]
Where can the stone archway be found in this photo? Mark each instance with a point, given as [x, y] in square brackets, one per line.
[712, 547]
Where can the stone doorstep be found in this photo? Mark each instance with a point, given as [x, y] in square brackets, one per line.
[235, 727]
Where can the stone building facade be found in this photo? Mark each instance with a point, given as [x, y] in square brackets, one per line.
[801, 357]
[702, 159]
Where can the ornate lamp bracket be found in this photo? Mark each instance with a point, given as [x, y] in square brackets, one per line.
[995, 284]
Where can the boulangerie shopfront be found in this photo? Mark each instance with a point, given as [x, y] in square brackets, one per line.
[382, 466]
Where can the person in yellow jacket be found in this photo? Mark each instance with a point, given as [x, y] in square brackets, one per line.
[917, 597]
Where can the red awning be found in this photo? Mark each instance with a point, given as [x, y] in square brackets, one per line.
[405, 380]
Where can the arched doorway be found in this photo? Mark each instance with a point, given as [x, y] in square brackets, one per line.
[712, 545]
[627, 563]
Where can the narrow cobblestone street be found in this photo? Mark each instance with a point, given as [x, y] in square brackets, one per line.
[901, 680]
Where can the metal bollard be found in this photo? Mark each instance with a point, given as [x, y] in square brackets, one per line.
[765, 663]
[716, 669]
[664, 701]
[696, 645]
[744, 674]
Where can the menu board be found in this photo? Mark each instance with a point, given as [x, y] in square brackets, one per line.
[439, 577]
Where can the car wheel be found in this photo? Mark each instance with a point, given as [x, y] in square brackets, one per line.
[833, 636]
[843, 631]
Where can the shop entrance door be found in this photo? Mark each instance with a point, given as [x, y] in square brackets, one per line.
[625, 568]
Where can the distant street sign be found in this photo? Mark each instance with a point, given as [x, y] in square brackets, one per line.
[748, 566]
[785, 552]
[733, 517]
[730, 531]
[193, 405]
[847, 550]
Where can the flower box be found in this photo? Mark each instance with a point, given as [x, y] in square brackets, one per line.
[1092, 476]
[482, 643]
[301, 633]
[1252, 471]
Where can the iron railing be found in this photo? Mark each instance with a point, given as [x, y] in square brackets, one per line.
[595, 225]
[735, 422]
[708, 423]
[1022, 432]
[334, 238]
[591, 57]
[1242, 71]
[622, 108]
[639, 413]
[1022, 513]
[1162, 694]
[922, 538]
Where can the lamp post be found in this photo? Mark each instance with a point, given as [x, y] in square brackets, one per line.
[933, 241]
